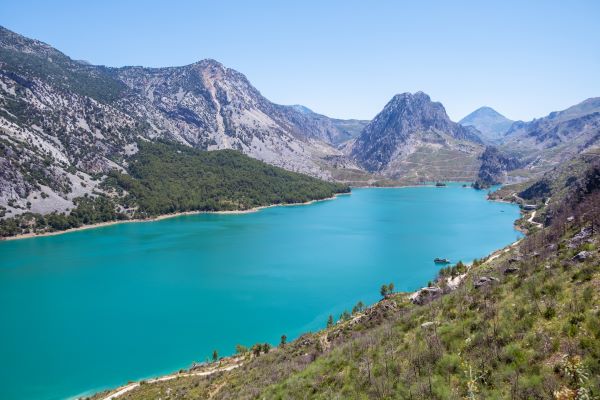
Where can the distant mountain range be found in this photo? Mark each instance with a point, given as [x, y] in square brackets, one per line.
[491, 124]
[65, 124]
[531, 148]
[558, 136]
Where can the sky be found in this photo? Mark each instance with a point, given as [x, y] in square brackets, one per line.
[347, 58]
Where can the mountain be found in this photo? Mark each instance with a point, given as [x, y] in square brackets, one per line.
[65, 124]
[546, 142]
[489, 122]
[560, 135]
[209, 106]
[413, 138]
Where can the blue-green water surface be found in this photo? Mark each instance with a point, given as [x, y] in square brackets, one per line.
[93, 309]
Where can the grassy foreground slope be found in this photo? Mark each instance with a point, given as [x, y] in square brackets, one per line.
[166, 178]
[523, 324]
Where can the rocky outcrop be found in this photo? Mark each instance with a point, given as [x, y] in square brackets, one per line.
[494, 167]
[484, 281]
[582, 256]
[407, 116]
[426, 295]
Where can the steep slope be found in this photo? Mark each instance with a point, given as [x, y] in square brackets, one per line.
[413, 139]
[58, 128]
[65, 124]
[209, 106]
[32, 58]
[489, 122]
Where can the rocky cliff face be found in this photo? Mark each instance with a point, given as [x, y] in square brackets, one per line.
[413, 134]
[491, 124]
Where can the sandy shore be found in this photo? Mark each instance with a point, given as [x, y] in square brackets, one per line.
[129, 387]
[165, 216]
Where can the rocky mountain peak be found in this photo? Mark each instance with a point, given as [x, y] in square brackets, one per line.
[486, 110]
[406, 122]
[415, 109]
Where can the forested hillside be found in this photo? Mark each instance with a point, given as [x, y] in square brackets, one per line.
[167, 178]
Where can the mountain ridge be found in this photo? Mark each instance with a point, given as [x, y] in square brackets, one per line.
[65, 124]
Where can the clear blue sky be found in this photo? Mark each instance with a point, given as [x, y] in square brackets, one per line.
[347, 58]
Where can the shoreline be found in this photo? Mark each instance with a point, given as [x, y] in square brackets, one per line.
[228, 212]
[233, 361]
[414, 185]
[184, 213]
[165, 216]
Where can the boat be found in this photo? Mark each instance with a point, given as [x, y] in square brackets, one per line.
[440, 184]
[441, 261]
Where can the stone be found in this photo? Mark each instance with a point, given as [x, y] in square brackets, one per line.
[581, 256]
[484, 281]
[426, 295]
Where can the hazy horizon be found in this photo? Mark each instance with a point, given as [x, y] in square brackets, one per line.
[347, 59]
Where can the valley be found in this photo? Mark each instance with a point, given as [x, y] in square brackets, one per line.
[169, 231]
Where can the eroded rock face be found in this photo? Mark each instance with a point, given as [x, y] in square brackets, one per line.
[584, 234]
[209, 106]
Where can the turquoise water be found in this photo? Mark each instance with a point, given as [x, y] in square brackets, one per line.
[93, 309]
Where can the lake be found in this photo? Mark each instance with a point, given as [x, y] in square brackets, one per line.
[93, 309]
